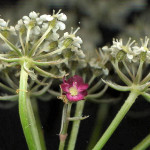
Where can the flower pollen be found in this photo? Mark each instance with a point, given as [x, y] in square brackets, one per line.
[74, 88]
[73, 91]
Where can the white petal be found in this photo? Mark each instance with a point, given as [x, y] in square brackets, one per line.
[33, 15]
[62, 17]
[60, 25]
[3, 23]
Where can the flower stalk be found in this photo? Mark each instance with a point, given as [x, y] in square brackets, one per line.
[144, 144]
[98, 125]
[26, 114]
[64, 126]
[114, 124]
[76, 125]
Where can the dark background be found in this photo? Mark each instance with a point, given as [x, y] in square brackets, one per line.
[134, 127]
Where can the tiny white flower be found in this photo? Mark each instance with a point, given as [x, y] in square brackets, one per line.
[18, 26]
[49, 18]
[36, 30]
[117, 44]
[20, 22]
[26, 20]
[106, 49]
[54, 36]
[78, 40]
[46, 17]
[76, 44]
[136, 50]
[80, 54]
[106, 71]
[129, 56]
[44, 26]
[33, 15]
[39, 21]
[62, 17]
[66, 34]
[3, 23]
[43, 17]
[46, 46]
[60, 25]
[12, 30]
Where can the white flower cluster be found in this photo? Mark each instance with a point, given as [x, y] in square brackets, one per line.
[131, 50]
[76, 41]
[39, 24]
[38, 35]
[99, 63]
[4, 27]
[73, 42]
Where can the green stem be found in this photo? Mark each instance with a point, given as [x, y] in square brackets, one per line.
[122, 76]
[114, 124]
[76, 125]
[39, 42]
[38, 122]
[64, 126]
[7, 88]
[145, 143]
[26, 114]
[13, 47]
[100, 119]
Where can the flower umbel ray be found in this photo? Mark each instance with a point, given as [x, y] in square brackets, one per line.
[74, 88]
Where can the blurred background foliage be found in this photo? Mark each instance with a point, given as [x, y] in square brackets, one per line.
[100, 21]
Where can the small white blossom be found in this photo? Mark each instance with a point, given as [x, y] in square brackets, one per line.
[76, 40]
[20, 23]
[44, 27]
[26, 20]
[62, 17]
[60, 25]
[106, 71]
[39, 21]
[33, 15]
[46, 17]
[12, 30]
[54, 36]
[36, 30]
[3, 23]
[80, 54]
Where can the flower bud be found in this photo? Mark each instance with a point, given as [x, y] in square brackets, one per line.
[67, 42]
[68, 53]
[143, 56]
[53, 45]
[120, 55]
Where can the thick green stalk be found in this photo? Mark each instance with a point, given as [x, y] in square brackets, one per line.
[26, 114]
[145, 143]
[64, 126]
[38, 122]
[100, 119]
[76, 125]
[114, 124]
